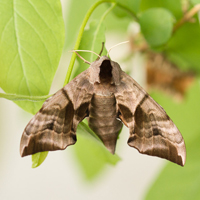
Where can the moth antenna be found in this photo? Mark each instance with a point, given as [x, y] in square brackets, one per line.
[116, 46]
[85, 61]
[88, 52]
[101, 49]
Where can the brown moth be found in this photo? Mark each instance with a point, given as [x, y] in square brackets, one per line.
[109, 98]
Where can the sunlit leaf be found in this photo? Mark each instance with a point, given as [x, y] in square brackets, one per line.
[32, 37]
[38, 158]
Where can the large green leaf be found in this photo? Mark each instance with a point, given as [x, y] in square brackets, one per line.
[91, 153]
[32, 37]
[156, 25]
[176, 182]
[175, 7]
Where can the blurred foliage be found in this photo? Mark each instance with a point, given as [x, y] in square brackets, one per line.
[81, 8]
[91, 153]
[32, 40]
[183, 47]
[155, 31]
[194, 2]
[175, 182]
[170, 5]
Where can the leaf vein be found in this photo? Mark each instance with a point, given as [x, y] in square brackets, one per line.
[40, 37]
[33, 59]
[4, 28]
[18, 46]
[32, 5]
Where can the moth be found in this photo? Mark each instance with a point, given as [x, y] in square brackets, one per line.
[109, 98]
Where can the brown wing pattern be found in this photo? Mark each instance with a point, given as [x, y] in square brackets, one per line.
[152, 132]
[54, 126]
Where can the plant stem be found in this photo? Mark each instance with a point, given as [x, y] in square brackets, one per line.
[98, 28]
[85, 20]
[188, 16]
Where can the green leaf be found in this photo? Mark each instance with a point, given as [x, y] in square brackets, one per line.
[183, 47]
[32, 37]
[175, 7]
[175, 182]
[91, 153]
[38, 158]
[156, 25]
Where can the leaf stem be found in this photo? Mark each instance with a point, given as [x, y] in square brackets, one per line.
[85, 20]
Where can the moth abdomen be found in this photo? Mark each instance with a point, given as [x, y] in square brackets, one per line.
[103, 120]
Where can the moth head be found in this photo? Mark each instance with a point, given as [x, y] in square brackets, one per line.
[105, 70]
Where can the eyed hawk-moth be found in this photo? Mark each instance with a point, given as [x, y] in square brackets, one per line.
[109, 98]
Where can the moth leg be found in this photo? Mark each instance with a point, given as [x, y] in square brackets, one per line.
[120, 116]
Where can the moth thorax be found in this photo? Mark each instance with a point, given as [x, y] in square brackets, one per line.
[105, 74]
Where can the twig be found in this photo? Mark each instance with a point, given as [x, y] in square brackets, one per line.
[187, 17]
